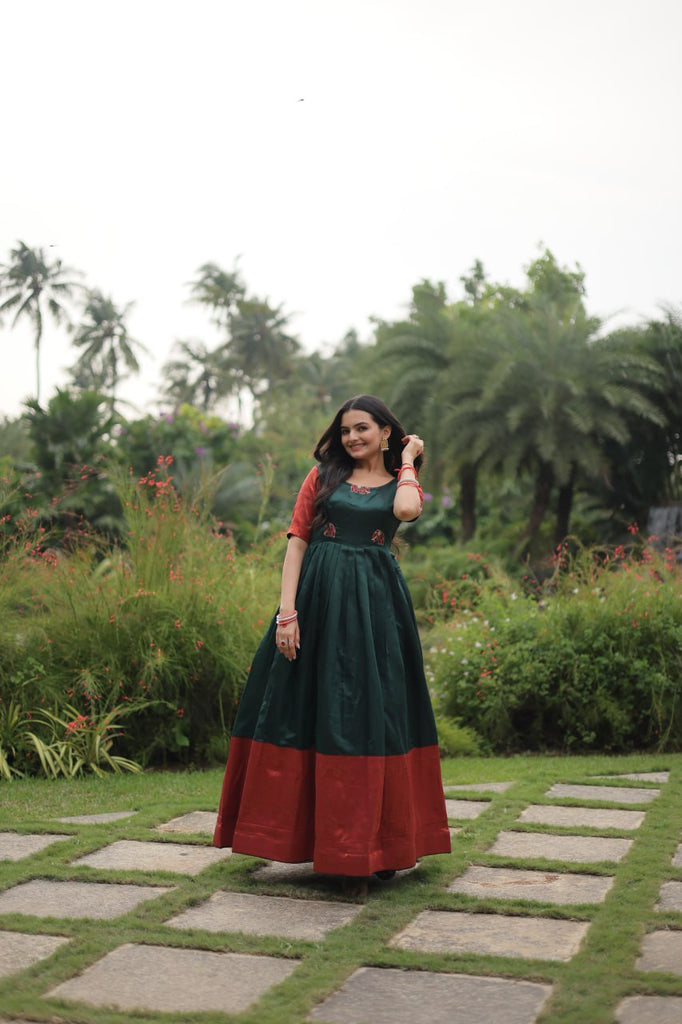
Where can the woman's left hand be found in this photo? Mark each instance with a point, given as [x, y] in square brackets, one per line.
[413, 445]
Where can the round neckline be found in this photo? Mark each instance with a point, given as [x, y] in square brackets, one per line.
[376, 487]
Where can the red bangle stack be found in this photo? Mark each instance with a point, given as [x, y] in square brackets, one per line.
[284, 620]
[413, 483]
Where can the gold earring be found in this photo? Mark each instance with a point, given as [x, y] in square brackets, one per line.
[384, 444]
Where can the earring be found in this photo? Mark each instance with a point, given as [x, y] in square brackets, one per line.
[384, 444]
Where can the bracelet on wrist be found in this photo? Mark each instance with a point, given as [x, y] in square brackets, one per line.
[284, 620]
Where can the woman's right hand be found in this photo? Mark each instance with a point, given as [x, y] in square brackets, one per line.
[288, 640]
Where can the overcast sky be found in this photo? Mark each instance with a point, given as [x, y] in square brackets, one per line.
[341, 149]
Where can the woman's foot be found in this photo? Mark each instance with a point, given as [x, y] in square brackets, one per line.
[385, 876]
[355, 886]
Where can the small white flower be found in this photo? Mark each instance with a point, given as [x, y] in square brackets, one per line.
[465, 661]
[478, 644]
[513, 597]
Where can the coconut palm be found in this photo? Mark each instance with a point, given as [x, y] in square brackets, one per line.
[107, 346]
[33, 286]
[260, 351]
[425, 365]
[556, 393]
[218, 290]
[198, 376]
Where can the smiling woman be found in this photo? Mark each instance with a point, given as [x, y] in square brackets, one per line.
[334, 756]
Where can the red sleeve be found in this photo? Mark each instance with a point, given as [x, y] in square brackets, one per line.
[304, 509]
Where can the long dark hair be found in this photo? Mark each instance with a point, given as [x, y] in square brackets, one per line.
[336, 465]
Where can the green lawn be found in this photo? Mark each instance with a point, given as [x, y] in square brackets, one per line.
[586, 990]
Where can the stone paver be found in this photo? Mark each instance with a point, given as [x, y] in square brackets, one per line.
[98, 900]
[19, 951]
[544, 886]
[480, 787]
[14, 846]
[650, 1010]
[277, 871]
[592, 817]
[576, 849]
[388, 996]
[611, 794]
[538, 938]
[131, 855]
[175, 980]
[638, 776]
[661, 951]
[97, 819]
[201, 822]
[677, 859]
[671, 896]
[266, 915]
[465, 809]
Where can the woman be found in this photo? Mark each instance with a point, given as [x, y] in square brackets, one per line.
[334, 755]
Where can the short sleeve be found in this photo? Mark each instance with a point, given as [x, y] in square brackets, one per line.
[304, 509]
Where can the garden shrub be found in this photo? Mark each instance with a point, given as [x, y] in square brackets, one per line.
[168, 624]
[594, 664]
[456, 740]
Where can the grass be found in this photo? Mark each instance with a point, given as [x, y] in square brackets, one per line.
[586, 989]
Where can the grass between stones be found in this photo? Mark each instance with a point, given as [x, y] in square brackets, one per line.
[588, 988]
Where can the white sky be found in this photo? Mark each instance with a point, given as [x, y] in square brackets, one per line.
[143, 138]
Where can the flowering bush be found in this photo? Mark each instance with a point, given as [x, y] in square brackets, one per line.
[593, 660]
[167, 624]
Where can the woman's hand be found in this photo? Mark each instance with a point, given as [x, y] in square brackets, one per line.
[413, 446]
[288, 640]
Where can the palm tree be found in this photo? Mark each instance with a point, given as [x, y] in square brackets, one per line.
[219, 290]
[103, 336]
[548, 404]
[198, 376]
[427, 365]
[260, 351]
[33, 286]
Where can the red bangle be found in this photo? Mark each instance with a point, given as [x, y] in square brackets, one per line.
[284, 620]
[404, 466]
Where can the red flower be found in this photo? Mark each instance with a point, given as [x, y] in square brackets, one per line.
[329, 530]
[378, 537]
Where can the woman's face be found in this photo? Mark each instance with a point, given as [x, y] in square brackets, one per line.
[361, 435]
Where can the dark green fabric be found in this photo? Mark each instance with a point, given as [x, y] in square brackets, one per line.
[357, 687]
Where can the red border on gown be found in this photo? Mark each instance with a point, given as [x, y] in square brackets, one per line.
[349, 815]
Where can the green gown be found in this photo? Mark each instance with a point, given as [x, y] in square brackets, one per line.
[334, 756]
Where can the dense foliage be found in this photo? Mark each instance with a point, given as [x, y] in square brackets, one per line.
[139, 555]
[591, 660]
[149, 642]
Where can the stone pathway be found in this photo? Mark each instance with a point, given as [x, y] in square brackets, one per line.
[184, 975]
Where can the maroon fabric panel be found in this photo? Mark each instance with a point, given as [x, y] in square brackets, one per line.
[348, 815]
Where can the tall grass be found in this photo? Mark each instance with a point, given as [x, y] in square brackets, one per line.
[166, 624]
